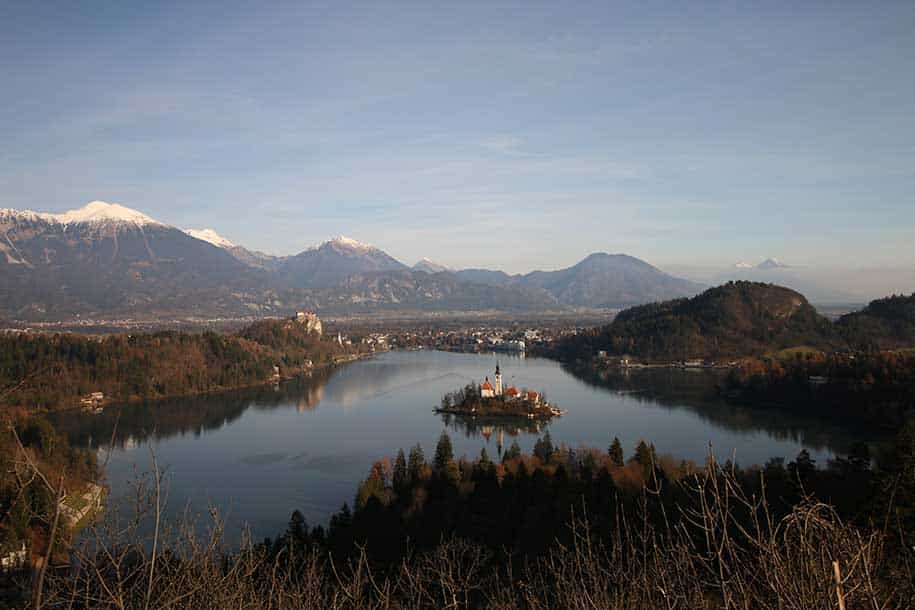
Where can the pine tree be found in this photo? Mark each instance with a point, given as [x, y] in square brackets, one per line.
[400, 477]
[373, 486]
[802, 468]
[298, 529]
[543, 448]
[513, 452]
[444, 453]
[616, 452]
[416, 464]
[899, 475]
[452, 473]
[342, 520]
[644, 456]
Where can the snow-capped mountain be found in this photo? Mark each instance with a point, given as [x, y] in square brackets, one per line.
[742, 265]
[102, 212]
[94, 212]
[429, 266]
[772, 263]
[107, 259]
[210, 236]
[333, 261]
[346, 244]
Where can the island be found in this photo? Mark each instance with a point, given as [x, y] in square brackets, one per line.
[489, 399]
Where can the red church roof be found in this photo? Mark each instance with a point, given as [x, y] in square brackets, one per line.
[512, 391]
[486, 385]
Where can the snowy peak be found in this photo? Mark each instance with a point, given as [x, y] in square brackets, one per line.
[771, 263]
[742, 265]
[429, 266]
[210, 236]
[347, 243]
[96, 212]
[10, 214]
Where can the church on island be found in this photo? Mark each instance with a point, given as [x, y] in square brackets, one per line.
[493, 399]
[495, 390]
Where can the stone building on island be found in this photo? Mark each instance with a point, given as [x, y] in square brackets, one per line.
[488, 390]
[494, 389]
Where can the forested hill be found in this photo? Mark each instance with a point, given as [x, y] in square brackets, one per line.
[52, 371]
[728, 321]
[884, 323]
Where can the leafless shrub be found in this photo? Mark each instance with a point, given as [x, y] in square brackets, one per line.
[722, 549]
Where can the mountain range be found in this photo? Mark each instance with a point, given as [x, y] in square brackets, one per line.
[109, 259]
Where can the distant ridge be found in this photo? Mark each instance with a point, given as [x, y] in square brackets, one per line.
[429, 266]
[107, 259]
[772, 263]
[610, 280]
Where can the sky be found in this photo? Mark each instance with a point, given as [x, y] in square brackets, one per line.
[477, 134]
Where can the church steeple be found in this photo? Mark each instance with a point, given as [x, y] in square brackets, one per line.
[498, 380]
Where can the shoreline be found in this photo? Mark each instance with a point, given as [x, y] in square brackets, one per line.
[477, 415]
[215, 390]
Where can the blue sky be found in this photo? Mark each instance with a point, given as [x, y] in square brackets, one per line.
[514, 136]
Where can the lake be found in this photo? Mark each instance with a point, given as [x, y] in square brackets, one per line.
[261, 453]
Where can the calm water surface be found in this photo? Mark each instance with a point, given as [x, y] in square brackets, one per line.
[257, 455]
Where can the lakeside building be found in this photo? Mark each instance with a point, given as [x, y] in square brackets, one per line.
[311, 321]
[93, 402]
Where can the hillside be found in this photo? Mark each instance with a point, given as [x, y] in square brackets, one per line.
[728, 321]
[421, 291]
[885, 323]
[609, 280]
[53, 371]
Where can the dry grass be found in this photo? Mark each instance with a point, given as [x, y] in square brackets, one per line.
[725, 552]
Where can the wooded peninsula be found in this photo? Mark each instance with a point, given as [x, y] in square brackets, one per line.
[55, 371]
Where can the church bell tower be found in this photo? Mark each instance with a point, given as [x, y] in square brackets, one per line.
[498, 389]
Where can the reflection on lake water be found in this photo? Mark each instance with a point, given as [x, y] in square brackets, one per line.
[260, 453]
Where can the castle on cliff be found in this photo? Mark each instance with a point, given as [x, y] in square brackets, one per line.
[310, 320]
